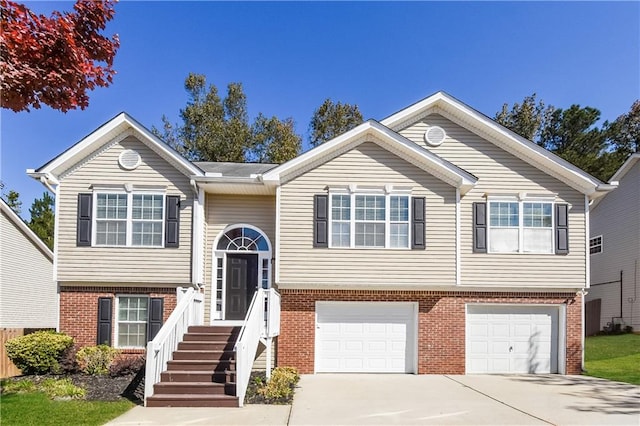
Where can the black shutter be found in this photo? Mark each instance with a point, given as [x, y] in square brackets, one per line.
[320, 220]
[418, 223]
[156, 305]
[83, 229]
[172, 222]
[562, 229]
[479, 227]
[104, 321]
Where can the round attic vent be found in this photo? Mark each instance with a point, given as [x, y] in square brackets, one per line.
[434, 135]
[129, 159]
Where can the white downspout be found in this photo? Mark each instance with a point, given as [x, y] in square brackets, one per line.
[587, 276]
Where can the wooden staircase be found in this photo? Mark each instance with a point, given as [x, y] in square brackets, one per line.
[202, 372]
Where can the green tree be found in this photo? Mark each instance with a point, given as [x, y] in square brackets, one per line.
[215, 129]
[12, 198]
[43, 218]
[273, 140]
[331, 120]
[624, 132]
[526, 119]
[573, 135]
[212, 129]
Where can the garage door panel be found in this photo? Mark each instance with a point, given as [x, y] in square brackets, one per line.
[520, 339]
[365, 336]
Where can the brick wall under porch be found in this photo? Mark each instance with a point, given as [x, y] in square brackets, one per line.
[441, 324]
[79, 310]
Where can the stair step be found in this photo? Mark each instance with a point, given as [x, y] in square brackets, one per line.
[200, 364]
[206, 346]
[210, 337]
[194, 388]
[198, 376]
[203, 355]
[192, 400]
[214, 329]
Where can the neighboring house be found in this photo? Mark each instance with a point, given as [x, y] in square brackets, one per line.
[28, 294]
[434, 241]
[615, 251]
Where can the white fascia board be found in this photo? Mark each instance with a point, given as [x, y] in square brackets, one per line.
[455, 176]
[17, 220]
[105, 132]
[588, 184]
[625, 167]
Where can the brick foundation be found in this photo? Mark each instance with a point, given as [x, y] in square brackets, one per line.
[441, 324]
[79, 310]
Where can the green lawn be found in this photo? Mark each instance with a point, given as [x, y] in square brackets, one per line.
[37, 409]
[614, 357]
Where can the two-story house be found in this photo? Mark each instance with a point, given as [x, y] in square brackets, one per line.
[615, 253]
[433, 241]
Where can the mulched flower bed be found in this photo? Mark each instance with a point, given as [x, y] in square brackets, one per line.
[100, 388]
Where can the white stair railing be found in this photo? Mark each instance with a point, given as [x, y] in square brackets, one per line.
[189, 311]
[247, 343]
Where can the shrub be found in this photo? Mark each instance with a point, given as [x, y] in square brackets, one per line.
[280, 387]
[95, 360]
[124, 366]
[68, 362]
[38, 353]
[61, 388]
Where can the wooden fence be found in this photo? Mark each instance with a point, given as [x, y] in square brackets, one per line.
[7, 369]
[592, 317]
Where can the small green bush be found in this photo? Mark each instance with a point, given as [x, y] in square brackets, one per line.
[61, 388]
[38, 353]
[95, 360]
[280, 386]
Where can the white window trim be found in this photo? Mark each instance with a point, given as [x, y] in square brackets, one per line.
[387, 192]
[521, 200]
[116, 322]
[601, 245]
[129, 219]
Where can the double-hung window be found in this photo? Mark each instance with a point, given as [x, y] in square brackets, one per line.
[369, 220]
[129, 219]
[132, 319]
[520, 226]
[595, 245]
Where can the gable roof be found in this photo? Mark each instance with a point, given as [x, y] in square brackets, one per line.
[104, 134]
[473, 120]
[619, 174]
[628, 165]
[31, 236]
[388, 139]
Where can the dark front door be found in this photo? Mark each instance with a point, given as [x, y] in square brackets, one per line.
[242, 282]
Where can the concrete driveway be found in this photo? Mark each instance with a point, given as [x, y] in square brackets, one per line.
[378, 399]
[464, 400]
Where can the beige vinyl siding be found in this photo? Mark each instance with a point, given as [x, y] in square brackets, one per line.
[221, 211]
[500, 172]
[123, 264]
[373, 166]
[617, 219]
[28, 294]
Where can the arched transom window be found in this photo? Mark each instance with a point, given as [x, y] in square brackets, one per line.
[242, 239]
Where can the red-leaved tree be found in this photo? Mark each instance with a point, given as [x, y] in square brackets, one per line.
[55, 60]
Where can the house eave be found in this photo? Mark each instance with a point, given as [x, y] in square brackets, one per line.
[473, 120]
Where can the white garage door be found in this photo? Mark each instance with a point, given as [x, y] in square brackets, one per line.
[365, 337]
[512, 339]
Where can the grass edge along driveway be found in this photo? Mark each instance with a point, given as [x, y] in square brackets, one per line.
[613, 357]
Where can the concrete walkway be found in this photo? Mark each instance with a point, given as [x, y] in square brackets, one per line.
[376, 399]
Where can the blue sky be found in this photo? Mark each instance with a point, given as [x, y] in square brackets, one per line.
[382, 56]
